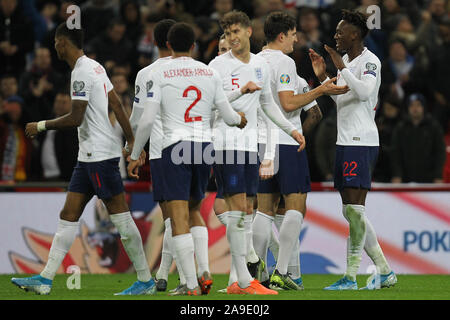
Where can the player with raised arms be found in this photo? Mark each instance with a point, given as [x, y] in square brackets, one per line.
[185, 92]
[97, 170]
[357, 144]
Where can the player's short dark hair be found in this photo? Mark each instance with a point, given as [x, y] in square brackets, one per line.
[160, 32]
[235, 17]
[276, 23]
[76, 36]
[181, 37]
[358, 19]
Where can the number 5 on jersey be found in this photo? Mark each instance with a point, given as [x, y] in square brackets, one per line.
[187, 118]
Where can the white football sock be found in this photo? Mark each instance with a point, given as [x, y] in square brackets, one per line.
[373, 249]
[355, 242]
[62, 241]
[289, 233]
[200, 236]
[251, 256]
[223, 218]
[274, 244]
[166, 255]
[262, 230]
[238, 246]
[233, 274]
[278, 220]
[294, 262]
[183, 244]
[132, 243]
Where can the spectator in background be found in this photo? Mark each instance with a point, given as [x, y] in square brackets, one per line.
[386, 122]
[16, 37]
[8, 86]
[96, 16]
[440, 67]
[49, 40]
[206, 34]
[122, 88]
[38, 87]
[147, 51]
[57, 150]
[15, 148]
[401, 74]
[428, 31]
[418, 149]
[131, 15]
[112, 47]
[221, 7]
[325, 146]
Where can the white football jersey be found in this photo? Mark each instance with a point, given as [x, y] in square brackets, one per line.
[187, 91]
[284, 78]
[235, 74]
[141, 90]
[356, 118]
[97, 141]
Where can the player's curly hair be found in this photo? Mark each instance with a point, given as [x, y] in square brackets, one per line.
[358, 19]
[235, 17]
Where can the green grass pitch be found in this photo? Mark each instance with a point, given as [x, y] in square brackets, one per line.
[102, 287]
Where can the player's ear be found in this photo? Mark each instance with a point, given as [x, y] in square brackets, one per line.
[249, 31]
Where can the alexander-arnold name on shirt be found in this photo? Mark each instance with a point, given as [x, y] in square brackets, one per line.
[188, 72]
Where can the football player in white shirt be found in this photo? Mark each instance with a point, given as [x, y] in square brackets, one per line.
[236, 167]
[185, 92]
[357, 144]
[292, 179]
[97, 170]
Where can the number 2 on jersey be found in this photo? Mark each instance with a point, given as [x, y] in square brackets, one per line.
[199, 96]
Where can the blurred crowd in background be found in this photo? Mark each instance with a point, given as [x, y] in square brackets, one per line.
[413, 44]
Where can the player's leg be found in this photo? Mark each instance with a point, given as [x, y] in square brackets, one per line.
[162, 274]
[294, 182]
[352, 179]
[80, 192]
[262, 226]
[199, 233]
[230, 176]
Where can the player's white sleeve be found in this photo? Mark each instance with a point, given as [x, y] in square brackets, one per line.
[145, 126]
[81, 84]
[135, 116]
[233, 95]
[272, 138]
[272, 110]
[362, 88]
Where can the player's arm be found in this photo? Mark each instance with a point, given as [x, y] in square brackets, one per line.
[249, 87]
[271, 109]
[145, 126]
[266, 169]
[313, 117]
[116, 106]
[68, 121]
[363, 88]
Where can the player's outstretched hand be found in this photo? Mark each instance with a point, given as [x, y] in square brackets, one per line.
[266, 169]
[133, 169]
[31, 130]
[250, 87]
[335, 57]
[330, 88]
[243, 120]
[318, 64]
[300, 139]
